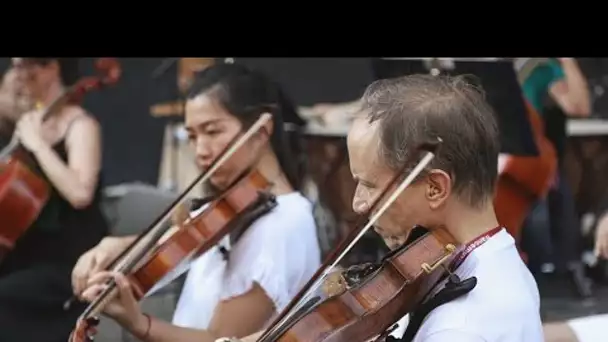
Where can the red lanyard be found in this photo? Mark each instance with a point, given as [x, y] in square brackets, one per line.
[461, 256]
[471, 246]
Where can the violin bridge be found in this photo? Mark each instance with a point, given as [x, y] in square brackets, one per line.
[449, 250]
[180, 215]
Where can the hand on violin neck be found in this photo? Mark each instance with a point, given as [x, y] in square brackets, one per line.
[123, 308]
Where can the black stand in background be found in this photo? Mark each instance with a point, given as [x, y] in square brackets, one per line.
[167, 65]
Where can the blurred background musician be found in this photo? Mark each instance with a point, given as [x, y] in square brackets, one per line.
[66, 149]
[556, 88]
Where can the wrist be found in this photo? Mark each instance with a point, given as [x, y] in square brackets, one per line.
[140, 327]
[40, 147]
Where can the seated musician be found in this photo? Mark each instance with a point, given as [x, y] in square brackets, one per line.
[66, 149]
[236, 287]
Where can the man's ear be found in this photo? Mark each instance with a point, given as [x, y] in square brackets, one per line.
[439, 188]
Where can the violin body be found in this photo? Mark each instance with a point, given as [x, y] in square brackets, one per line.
[370, 298]
[525, 180]
[23, 194]
[199, 233]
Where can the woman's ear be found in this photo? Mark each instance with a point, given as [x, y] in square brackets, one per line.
[439, 188]
[268, 128]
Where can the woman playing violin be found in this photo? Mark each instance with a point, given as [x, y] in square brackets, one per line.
[236, 287]
[66, 150]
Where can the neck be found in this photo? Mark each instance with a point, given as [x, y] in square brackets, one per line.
[49, 94]
[467, 223]
[268, 165]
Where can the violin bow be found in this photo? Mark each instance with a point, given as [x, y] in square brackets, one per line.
[355, 235]
[132, 255]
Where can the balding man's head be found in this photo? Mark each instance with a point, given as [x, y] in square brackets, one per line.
[411, 110]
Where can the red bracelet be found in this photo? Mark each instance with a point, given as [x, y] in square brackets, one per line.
[147, 333]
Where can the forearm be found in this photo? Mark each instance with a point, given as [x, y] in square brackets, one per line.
[161, 331]
[65, 180]
[578, 89]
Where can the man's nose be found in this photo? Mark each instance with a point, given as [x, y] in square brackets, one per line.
[360, 205]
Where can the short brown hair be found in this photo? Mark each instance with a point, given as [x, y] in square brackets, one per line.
[419, 108]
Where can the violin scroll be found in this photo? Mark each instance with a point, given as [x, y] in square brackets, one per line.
[85, 330]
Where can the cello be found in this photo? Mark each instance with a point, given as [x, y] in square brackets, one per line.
[524, 180]
[153, 254]
[364, 301]
[23, 193]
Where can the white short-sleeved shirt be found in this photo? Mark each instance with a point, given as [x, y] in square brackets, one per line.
[279, 251]
[504, 306]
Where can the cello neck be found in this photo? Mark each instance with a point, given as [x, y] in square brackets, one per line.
[57, 103]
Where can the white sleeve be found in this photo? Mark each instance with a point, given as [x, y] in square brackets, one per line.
[452, 335]
[275, 252]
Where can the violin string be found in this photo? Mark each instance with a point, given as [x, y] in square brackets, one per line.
[404, 184]
[131, 258]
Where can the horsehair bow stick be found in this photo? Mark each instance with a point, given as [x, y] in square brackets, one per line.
[315, 281]
[133, 257]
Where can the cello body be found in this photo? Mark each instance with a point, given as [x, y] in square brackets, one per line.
[23, 194]
[525, 180]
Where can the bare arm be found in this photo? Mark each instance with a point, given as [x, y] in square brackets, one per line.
[237, 317]
[572, 92]
[77, 180]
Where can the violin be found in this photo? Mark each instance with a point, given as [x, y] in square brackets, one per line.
[198, 234]
[23, 192]
[147, 261]
[365, 300]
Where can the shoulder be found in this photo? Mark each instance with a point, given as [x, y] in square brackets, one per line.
[80, 123]
[291, 220]
[514, 314]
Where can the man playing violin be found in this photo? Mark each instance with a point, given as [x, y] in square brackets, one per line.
[454, 193]
[236, 287]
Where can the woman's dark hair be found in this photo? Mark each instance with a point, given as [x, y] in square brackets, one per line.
[68, 67]
[247, 94]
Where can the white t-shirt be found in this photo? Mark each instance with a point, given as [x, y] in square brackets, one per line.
[279, 251]
[504, 306]
[590, 329]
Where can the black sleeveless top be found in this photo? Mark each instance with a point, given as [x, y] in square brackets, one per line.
[61, 233]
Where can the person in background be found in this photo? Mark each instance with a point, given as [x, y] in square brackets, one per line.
[275, 256]
[561, 81]
[66, 150]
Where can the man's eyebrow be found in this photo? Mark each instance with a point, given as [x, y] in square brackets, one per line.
[365, 182]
